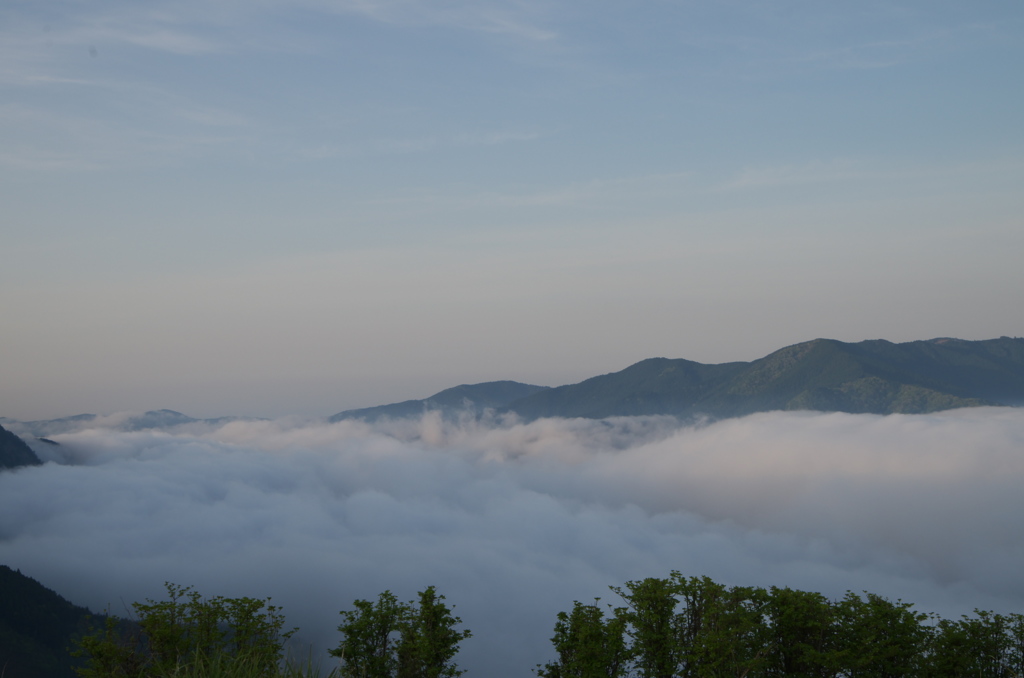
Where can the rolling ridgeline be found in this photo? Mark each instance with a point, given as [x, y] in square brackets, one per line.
[873, 377]
[867, 377]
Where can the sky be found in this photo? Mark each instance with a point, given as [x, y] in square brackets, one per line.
[514, 521]
[294, 208]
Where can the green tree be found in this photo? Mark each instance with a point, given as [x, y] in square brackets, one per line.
[733, 639]
[658, 640]
[880, 638]
[696, 628]
[986, 644]
[1015, 641]
[801, 628]
[391, 639]
[429, 639]
[588, 644]
[369, 647]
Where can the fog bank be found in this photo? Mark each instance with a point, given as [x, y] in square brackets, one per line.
[513, 521]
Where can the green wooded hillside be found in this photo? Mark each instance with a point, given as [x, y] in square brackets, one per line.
[876, 377]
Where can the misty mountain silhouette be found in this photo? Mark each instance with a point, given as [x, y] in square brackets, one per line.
[876, 376]
[153, 419]
[474, 398]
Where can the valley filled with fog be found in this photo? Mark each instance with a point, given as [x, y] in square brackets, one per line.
[514, 521]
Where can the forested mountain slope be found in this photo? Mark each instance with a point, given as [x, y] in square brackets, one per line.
[38, 628]
[877, 377]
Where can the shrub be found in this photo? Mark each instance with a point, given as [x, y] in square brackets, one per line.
[191, 634]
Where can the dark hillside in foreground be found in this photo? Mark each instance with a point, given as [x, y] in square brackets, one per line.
[877, 377]
[38, 628]
[14, 452]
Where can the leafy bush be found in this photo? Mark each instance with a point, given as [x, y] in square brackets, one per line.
[189, 635]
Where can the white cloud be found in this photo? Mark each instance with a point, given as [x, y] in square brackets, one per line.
[513, 521]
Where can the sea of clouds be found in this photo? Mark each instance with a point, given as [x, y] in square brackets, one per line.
[514, 521]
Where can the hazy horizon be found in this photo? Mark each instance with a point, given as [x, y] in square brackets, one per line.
[303, 207]
[388, 394]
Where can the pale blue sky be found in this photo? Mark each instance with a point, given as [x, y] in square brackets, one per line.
[299, 207]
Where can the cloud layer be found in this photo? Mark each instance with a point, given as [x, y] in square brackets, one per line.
[514, 521]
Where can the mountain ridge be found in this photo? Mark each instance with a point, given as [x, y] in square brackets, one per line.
[873, 376]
